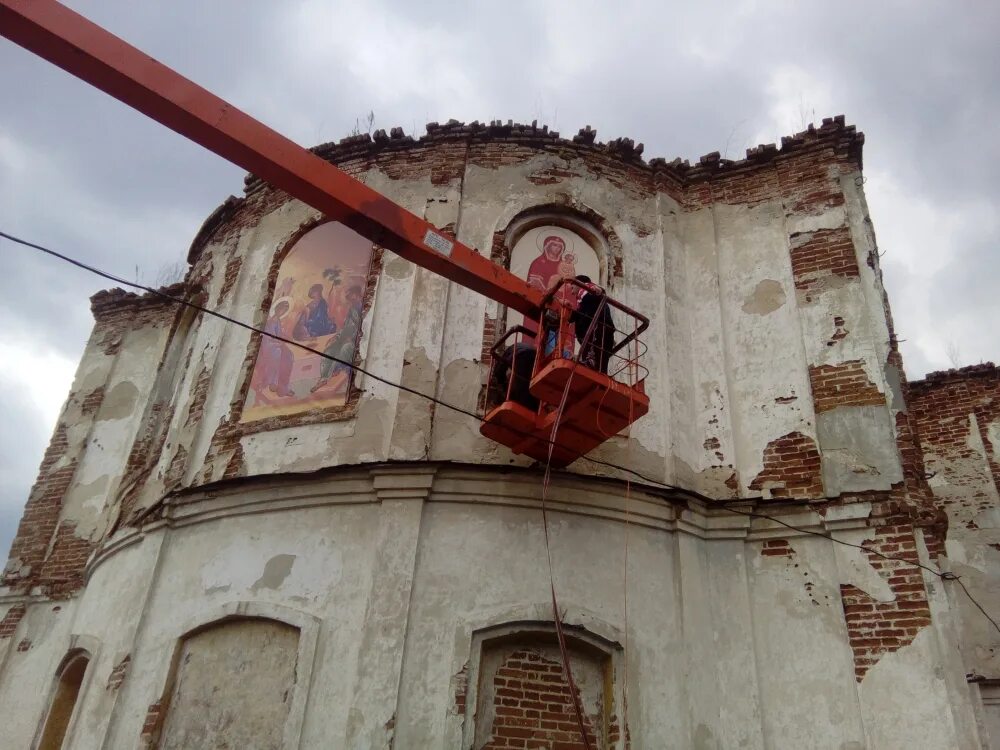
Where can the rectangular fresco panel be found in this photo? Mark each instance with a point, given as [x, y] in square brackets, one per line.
[318, 299]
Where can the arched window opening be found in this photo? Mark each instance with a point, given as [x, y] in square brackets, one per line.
[69, 679]
[320, 297]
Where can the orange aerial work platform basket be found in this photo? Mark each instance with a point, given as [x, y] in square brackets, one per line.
[576, 370]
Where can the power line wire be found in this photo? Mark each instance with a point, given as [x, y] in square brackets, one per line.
[725, 505]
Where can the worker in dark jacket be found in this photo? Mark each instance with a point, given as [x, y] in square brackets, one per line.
[515, 366]
[597, 351]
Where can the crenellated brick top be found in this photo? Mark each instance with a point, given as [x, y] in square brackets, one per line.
[833, 132]
[437, 153]
[116, 299]
[946, 377]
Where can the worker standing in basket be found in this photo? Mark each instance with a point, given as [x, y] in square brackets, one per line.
[597, 351]
[512, 374]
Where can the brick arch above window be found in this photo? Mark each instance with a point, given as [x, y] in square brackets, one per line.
[593, 228]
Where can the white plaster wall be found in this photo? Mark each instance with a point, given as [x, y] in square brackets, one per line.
[764, 357]
[726, 648]
[801, 642]
[27, 676]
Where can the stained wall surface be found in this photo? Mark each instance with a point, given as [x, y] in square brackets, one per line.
[407, 552]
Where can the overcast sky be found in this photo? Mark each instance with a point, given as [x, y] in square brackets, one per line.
[84, 174]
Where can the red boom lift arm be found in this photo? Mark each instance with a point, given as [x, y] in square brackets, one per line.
[93, 54]
[602, 403]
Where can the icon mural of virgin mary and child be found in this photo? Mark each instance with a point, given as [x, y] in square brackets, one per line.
[557, 259]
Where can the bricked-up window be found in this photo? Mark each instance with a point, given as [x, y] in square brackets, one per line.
[69, 679]
[232, 687]
[319, 298]
[524, 701]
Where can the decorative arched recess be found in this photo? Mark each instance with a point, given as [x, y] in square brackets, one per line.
[310, 404]
[582, 232]
[320, 286]
[72, 680]
[219, 639]
[513, 675]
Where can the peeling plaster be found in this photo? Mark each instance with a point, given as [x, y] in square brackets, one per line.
[275, 572]
[855, 567]
[993, 435]
[399, 268]
[907, 682]
[803, 223]
[767, 297]
[304, 571]
[457, 434]
[858, 449]
[893, 382]
[120, 402]
[411, 438]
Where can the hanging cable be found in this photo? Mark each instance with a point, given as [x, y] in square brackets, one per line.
[556, 614]
[711, 502]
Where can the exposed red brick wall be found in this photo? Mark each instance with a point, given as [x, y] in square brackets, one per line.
[199, 394]
[461, 682]
[791, 467]
[533, 707]
[62, 571]
[10, 621]
[777, 548]
[42, 510]
[877, 628]
[844, 384]
[116, 312]
[942, 408]
[151, 725]
[944, 402]
[230, 275]
[490, 335]
[822, 252]
[118, 674]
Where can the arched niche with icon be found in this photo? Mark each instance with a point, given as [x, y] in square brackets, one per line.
[544, 254]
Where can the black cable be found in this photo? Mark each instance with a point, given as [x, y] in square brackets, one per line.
[726, 505]
[351, 365]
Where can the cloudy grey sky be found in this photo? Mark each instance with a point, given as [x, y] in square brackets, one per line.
[82, 173]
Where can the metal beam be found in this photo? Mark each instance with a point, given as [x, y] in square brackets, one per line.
[89, 52]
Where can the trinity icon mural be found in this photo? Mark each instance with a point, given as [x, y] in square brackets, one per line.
[318, 300]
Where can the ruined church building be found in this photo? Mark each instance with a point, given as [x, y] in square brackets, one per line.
[233, 542]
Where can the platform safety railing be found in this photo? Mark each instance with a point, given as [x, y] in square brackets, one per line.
[505, 382]
[616, 353]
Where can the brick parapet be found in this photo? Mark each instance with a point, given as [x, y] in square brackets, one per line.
[946, 407]
[801, 160]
